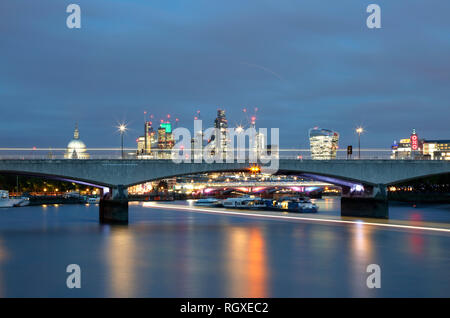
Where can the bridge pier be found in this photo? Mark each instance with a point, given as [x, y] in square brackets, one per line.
[371, 202]
[113, 207]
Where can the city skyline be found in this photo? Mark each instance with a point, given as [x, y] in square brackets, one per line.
[217, 154]
[305, 68]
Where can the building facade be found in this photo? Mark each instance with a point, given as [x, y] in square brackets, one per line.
[415, 148]
[436, 149]
[221, 125]
[323, 143]
[165, 141]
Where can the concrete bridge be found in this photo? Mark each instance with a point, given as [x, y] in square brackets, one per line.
[364, 181]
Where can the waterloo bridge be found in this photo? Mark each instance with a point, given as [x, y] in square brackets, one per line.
[369, 177]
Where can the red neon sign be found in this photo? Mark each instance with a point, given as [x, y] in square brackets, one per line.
[414, 142]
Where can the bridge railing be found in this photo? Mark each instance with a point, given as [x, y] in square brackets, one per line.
[130, 153]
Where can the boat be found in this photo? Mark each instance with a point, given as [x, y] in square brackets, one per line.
[93, 200]
[301, 205]
[271, 205]
[208, 202]
[8, 202]
[245, 202]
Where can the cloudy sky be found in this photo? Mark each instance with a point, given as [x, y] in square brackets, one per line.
[302, 63]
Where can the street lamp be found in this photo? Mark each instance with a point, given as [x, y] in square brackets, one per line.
[359, 131]
[122, 129]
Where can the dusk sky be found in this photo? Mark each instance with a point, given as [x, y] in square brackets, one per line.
[302, 63]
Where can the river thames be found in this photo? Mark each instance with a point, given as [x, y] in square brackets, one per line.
[177, 250]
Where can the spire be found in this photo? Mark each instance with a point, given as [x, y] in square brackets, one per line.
[76, 133]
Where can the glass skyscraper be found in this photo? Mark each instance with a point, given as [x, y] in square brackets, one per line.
[323, 143]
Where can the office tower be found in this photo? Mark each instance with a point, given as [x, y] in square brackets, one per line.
[323, 143]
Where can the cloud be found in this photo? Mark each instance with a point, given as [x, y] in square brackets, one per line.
[302, 63]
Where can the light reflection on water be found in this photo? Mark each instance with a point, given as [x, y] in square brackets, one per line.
[247, 266]
[3, 257]
[362, 254]
[164, 253]
[121, 257]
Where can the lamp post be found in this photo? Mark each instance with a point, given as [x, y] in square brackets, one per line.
[122, 129]
[359, 131]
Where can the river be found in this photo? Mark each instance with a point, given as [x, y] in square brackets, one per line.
[177, 250]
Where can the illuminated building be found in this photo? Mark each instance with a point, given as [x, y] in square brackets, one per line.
[436, 149]
[260, 142]
[323, 143]
[165, 140]
[149, 136]
[415, 148]
[196, 145]
[401, 150]
[76, 149]
[221, 124]
[140, 145]
[146, 142]
[260, 139]
[408, 148]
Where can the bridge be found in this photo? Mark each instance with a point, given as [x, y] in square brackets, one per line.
[364, 182]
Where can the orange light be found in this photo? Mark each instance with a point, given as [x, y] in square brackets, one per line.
[255, 169]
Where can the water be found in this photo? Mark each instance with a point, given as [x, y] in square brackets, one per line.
[179, 253]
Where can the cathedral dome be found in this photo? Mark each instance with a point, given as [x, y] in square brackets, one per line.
[77, 145]
[76, 149]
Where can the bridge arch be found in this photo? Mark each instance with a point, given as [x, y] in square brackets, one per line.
[56, 177]
[114, 172]
[423, 177]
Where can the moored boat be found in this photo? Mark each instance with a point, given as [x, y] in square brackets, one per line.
[7, 202]
[93, 200]
[208, 202]
[302, 205]
[244, 202]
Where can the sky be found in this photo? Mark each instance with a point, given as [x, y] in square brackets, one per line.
[301, 63]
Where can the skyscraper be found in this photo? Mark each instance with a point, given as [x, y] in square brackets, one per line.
[148, 136]
[146, 141]
[221, 124]
[323, 143]
[165, 140]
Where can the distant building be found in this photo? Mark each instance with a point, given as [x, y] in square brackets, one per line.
[415, 148]
[323, 143]
[402, 149]
[260, 143]
[408, 148]
[165, 141]
[76, 149]
[436, 149]
[221, 124]
[147, 142]
[197, 145]
[140, 146]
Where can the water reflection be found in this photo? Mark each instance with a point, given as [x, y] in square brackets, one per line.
[416, 244]
[362, 255]
[175, 253]
[121, 257]
[246, 262]
[3, 256]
